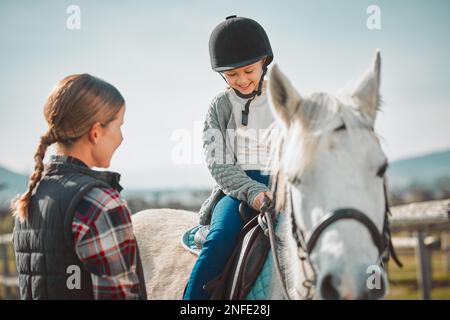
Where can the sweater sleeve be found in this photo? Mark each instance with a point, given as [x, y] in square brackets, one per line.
[229, 176]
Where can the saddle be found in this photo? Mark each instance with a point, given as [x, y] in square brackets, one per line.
[245, 263]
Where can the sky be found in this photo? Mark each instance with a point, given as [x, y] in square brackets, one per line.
[156, 54]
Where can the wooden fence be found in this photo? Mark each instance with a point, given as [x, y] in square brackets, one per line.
[8, 278]
[422, 219]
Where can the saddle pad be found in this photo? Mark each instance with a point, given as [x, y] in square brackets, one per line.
[262, 284]
[260, 289]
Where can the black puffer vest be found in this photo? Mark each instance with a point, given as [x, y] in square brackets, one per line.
[44, 246]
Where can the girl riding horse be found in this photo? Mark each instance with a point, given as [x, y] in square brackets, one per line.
[240, 51]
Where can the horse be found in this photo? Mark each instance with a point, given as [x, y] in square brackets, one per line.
[330, 196]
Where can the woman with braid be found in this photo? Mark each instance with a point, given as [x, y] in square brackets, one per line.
[73, 237]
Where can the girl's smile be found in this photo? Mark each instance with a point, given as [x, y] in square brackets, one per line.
[245, 79]
[245, 88]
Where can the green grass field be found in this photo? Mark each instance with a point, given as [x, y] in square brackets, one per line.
[403, 281]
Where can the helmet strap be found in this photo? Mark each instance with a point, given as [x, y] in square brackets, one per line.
[246, 111]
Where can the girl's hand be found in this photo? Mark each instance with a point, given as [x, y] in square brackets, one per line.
[257, 203]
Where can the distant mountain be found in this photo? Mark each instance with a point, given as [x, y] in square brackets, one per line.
[424, 170]
[11, 184]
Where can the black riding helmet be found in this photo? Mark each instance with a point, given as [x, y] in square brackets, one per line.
[238, 42]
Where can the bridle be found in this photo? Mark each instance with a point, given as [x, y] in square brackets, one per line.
[305, 246]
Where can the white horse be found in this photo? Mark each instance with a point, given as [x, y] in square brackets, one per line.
[328, 157]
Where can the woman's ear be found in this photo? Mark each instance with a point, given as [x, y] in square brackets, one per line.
[95, 132]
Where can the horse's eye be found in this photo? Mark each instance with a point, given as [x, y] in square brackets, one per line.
[382, 170]
[295, 180]
[342, 127]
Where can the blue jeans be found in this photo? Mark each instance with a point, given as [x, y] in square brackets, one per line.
[222, 238]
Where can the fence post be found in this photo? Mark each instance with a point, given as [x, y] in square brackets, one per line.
[424, 266]
[445, 247]
[4, 258]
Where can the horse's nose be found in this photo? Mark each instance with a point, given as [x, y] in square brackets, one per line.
[328, 288]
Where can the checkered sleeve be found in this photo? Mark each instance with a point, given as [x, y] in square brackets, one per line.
[105, 243]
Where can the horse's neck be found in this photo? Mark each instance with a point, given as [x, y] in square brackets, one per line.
[289, 263]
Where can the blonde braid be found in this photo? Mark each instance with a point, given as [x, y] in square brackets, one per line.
[20, 204]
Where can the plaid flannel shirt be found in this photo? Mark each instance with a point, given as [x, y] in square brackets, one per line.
[105, 243]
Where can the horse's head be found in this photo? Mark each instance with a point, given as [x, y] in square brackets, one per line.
[331, 159]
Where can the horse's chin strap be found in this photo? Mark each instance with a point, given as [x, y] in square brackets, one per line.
[389, 250]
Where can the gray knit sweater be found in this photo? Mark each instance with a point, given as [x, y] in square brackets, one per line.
[219, 143]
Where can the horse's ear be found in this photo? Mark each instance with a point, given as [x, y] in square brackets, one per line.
[285, 99]
[367, 91]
